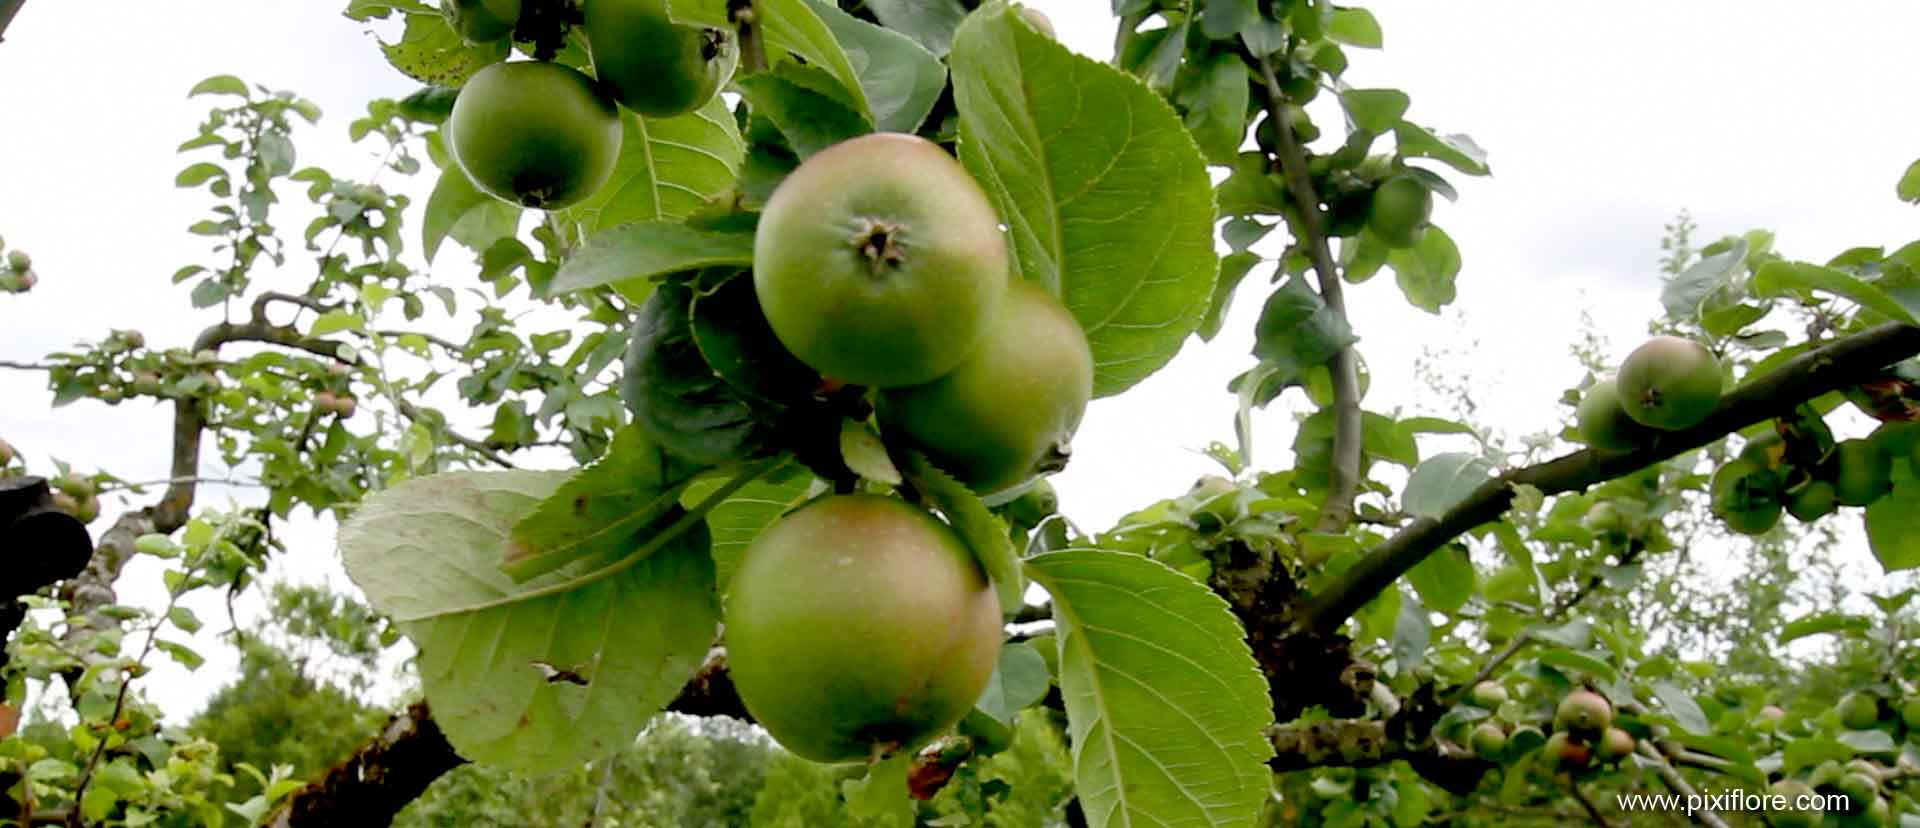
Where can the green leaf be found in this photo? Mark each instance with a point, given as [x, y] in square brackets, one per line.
[1216, 104]
[675, 396]
[806, 105]
[1909, 187]
[738, 344]
[336, 321]
[931, 23]
[1426, 271]
[184, 618]
[430, 51]
[880, 797]
[984, 532]
[1020, 680]
[198, 174]
[668, 168]
[1573, 661]
[1800, 754]
[458, 209]
[1456, 151]
[1777, 277]
[219, 85]
[1444, 579]
[1412, 634]
[1442, 482]
[1891, 522]
[1685, 295]
[736, 521]
[603, 512]
[425, 552]
[901, 78]
[180, 653]
[633, 256]
[1685, 711]
[791, 28]
[1297, 331]
[1109, 203]
[1233, 268]
[863, 452]
[1165, 705]
[1376, 110]
[1823, 622]
[1355, 27]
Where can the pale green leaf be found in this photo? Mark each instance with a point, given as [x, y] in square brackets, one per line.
[1443, 481]
[1166, 708]
[736, 521]
[631, 256]
[1777, 277]
[791, 28]
[492, 652]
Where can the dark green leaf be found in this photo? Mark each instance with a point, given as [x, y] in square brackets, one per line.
[1685, 711]
[739, 345]
[1412, 633]
[675, 397]
[1216, 104]
[901, 78]
[1891, 521]
[430, 51]
[1456, 151]
[1824, 622]
[930, 22]
[806, 104]
[668, 168]
[1444, 579]
[1297, 331]
[1233, 268]
[1777, 277]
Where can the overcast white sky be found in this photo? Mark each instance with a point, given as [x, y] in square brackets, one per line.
[1602, 121]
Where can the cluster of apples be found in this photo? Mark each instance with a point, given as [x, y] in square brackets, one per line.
[1583, 731]
[545, 135]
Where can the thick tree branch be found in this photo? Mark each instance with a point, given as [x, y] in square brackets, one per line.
[1343, 477]
[8, 8]
[1839, 364]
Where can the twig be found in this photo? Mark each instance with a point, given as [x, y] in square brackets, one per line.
[1587, 803]
[1343, 477]
[25, 366]
[1678, 784]
[1559, 610]
[1838, 364]
[753, 53]
[413, 412]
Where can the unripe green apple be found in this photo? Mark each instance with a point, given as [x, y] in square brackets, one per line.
[19, 261]
[1670, 383]
[1010, 409]
[859, 624]
[6, 454]
[146, 382]
[1812, 500]
[1489, 695]
[652, 65]
[1860, 472]
[88, 509]
[75, 485]
[1859, 787]
[880, 262]
[1584, 712]
[1603, 424]
[1859, 710]
[1034, 505]
[1489, 741]
[1746, 497]
[1400, 210]
[535, 133]
[66, 503]
[1909, 712]
[1796, 793]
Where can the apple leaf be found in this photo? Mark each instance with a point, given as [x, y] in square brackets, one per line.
[1105, 195]
[1165, 705]
[632, 257]
[677, 399]
[667, 168]
[984, 533]
[740, 518]
[1442, 481]
[535, 677]
[601, 512]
